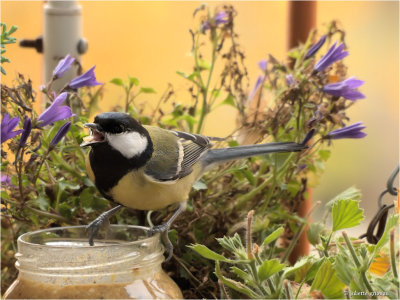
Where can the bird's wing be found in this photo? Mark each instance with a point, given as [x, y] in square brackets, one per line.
[175, 153]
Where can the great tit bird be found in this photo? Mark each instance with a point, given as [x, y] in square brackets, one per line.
[148, 168]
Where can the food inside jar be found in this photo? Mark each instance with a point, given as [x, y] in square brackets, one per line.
[159, 286]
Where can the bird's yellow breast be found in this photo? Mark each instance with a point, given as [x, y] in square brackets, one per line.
[136, 190]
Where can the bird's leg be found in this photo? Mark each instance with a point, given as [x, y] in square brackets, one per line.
[163, 229]
[94, 226]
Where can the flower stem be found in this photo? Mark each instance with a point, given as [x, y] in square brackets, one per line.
[205, 108]
[358, 264]
[393, 254]
[18, 169]
[271, 286]
[326, 246]
[248, 235]
[288, 289]
[44, 157]
[351, 249]
[46, 214]
[299, 288]
[63, 164]
[298, 233]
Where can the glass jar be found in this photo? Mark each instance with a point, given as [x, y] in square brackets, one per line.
[58, 263]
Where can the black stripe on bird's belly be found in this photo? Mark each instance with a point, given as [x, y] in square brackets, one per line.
[109, 165]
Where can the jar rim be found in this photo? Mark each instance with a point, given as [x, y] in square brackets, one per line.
[24, 238]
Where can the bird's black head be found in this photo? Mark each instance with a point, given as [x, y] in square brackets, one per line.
[120, 131]
[117, 122]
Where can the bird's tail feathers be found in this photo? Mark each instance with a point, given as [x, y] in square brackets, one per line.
[216, 156]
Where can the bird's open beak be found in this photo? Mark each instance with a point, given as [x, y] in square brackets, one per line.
[96, 135]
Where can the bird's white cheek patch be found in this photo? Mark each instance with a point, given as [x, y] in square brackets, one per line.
[129, 144]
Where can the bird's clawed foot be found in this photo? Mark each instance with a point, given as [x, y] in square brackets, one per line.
[102, 220]
[163, 230]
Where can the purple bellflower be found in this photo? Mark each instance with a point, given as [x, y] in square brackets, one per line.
[60, 134]
[345, 89]
[348, 132]
[26, 131]
[290, 81]
[315, 47]
[263, 64]
[5, 180]
[56, 111]
[220, 18]
[205, 25]
[7, 127]
[333, 55]
[63, 66]
[86, 79]
[258, 84]
[308, 137]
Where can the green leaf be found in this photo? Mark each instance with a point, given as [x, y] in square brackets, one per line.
[312, 272]
[199, 185]
[147, 90]
[189, 120]
[324, 154]
[133, 81]
[302, 263]
[241, 274]
[99, 203]
[207, 253]
[328, 282]
[313, 233]
[173, 236]
[249, 176]
[351, 193]
[233, 244]
[302, 272]
[345, 268]
[64, 185]
[86, 200]
[235, 285]
[12, 29]
[42, 202]
[273, 236]
[346, 214]
[293, 187]
[4, 195]
[190, 77]
[117, 81]
[215, 93]
[269, 268]
[229, 100]
[233, 143]
[294, 53]
[203, 64]
[390, 223]
[65, 210]
[358, 290]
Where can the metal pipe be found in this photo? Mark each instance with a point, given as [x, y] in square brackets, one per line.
[302, 18]
[62, 35]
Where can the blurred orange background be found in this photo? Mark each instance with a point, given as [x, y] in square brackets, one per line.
[151, 41]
